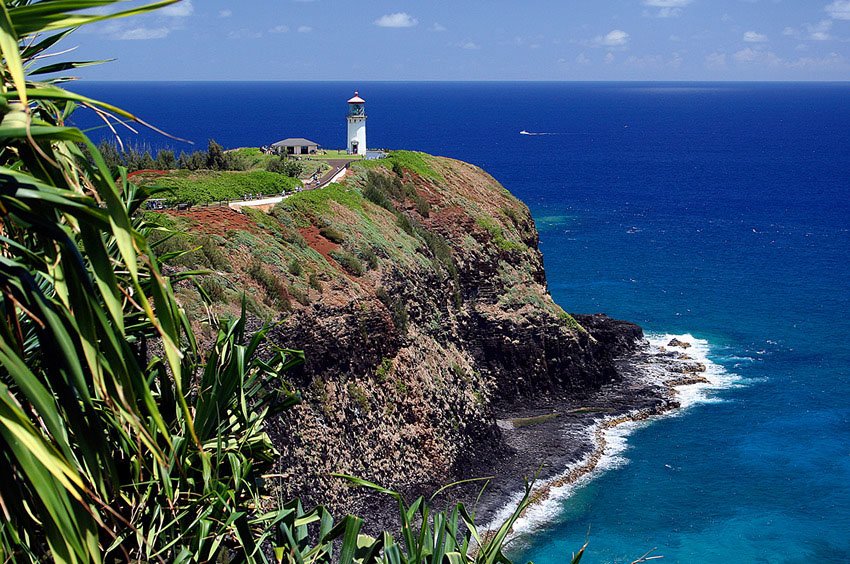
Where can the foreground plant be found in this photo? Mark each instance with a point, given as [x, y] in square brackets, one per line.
[119, 438]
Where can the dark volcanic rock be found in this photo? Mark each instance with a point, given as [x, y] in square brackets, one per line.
[408, 363]
[678, 343]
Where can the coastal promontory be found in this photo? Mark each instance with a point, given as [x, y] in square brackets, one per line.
[417, 291]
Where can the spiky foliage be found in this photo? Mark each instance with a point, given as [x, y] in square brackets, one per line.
[120, 440]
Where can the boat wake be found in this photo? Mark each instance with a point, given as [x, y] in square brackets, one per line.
[524, 132]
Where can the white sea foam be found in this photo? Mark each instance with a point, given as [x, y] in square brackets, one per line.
[716, 375]
[616, 437]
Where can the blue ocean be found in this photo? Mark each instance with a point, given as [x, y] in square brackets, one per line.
[717, 210]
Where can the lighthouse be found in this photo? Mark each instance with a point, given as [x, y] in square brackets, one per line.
[357, 125]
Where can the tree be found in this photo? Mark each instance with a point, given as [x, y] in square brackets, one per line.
[215, 156]
[287, 167]
[165, 160]
[111, 156]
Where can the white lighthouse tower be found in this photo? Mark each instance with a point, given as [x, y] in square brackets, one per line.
[357, 125]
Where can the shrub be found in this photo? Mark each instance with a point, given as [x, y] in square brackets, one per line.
[398, 311]
[234, 161]
[332, 235]
[276, 165]
[276, 292]
[299, 295]
[349, 262]
[382, 371]
[314, 282]
[368, 254]
[214, 255]
[498, 235]
[422, 206]
[213, 287]
[405, 224]
[295, 267]
[358, 394]
[201, 187]
[287, 167]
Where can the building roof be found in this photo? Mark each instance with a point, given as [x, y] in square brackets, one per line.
[357, 99]
[294, 142]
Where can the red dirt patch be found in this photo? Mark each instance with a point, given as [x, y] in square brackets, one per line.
[217, 220]
[318, 243]
[147, 172]
[324, 247]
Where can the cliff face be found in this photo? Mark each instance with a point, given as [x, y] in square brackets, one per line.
[417, 291]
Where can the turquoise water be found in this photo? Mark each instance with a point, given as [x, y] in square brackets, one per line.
[720, 210]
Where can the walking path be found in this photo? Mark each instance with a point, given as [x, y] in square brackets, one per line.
[337, 171]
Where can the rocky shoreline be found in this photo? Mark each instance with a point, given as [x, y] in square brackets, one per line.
[560, 440]
[434, 351]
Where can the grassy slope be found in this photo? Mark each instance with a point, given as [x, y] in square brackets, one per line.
[205, 186]
[267, 256]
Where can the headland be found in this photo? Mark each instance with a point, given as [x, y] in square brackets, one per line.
[435, 353]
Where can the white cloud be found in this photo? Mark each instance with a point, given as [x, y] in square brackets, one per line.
[839, 10]
[831, 61]
[438, 27]
[398, 19]
[244, 34]
[669, 12]
[469, 45]
[609, 58]
[141, 33]
[279, 29]
[179, 10]
[225, 13]
[715, 61]
[614, 38]
[667, 8]
[790, 32]
[654, 62]
[582, 60]
[820, 31]
[754, 37]
[304, 29]
[750, 55]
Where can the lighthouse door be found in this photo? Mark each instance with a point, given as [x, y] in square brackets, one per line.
[354, 148]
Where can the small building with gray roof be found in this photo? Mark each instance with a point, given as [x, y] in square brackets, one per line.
[295, 146]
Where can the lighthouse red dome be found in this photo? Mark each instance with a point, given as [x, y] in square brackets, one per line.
[357, 99]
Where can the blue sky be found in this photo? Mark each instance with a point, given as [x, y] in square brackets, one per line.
[476, 40]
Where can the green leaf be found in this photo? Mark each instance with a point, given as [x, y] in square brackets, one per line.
[11, 53]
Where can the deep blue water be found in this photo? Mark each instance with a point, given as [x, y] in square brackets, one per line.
[722, 210]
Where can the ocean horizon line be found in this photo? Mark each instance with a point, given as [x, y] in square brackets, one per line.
[430, 81]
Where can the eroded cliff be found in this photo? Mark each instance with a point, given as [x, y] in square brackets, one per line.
[417, 291]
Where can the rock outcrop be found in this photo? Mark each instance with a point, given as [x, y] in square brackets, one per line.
[417, 291]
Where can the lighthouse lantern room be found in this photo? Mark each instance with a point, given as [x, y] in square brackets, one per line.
[356, 125]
